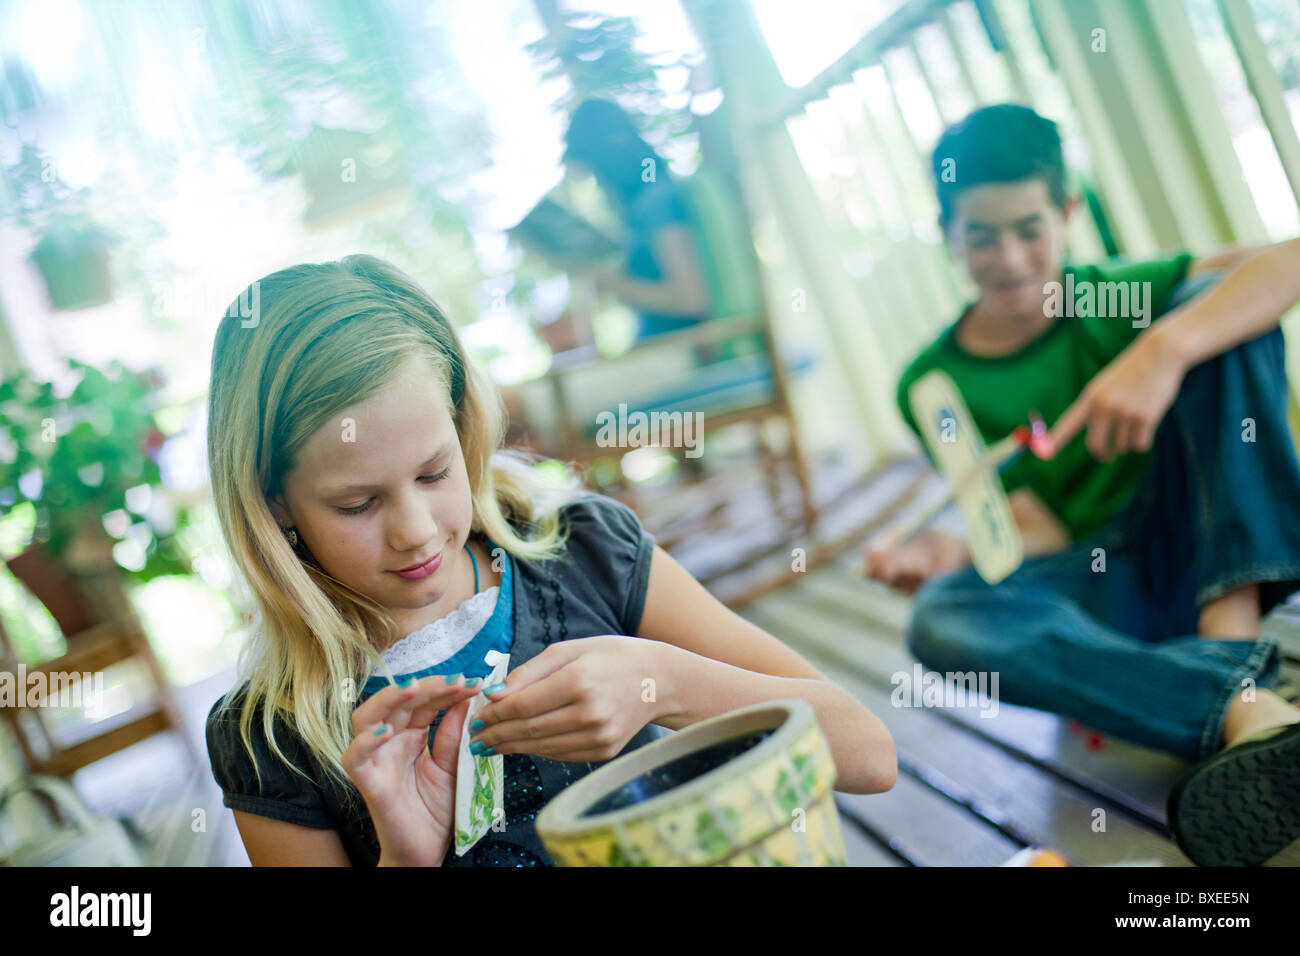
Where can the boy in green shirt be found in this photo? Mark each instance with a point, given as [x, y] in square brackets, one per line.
[1163, 520]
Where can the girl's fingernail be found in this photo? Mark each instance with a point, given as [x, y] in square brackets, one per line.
[477, 725]
[476, 747]
[452, 678]
[495, 688]
[381, 730]
[491, 751]
[471, 681]
[405, 681]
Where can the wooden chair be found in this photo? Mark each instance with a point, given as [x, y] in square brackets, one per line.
[750, 383]
[80, 603]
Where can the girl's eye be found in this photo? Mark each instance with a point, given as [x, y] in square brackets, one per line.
[428, 479]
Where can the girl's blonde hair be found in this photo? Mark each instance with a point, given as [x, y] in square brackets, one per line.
[323, 337]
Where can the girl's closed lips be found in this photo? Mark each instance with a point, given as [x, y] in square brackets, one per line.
[423, 570]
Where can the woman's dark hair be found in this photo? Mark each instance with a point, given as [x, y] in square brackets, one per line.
[997, 144]
[604, 139]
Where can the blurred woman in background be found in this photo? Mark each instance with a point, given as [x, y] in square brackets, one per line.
[662, 278]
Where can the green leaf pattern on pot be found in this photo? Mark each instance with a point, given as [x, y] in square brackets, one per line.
[794, 792]
[629, 855]
[714, 838]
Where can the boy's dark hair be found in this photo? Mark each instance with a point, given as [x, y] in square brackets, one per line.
[997, 144]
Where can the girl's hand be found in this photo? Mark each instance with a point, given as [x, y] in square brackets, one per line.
[580, 699]
[411, 795]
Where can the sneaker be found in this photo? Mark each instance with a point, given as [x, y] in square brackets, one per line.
[1241, 806]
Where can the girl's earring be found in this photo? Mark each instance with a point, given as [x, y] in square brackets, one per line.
[291, 536]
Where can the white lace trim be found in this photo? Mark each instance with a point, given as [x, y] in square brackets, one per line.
[441, 639]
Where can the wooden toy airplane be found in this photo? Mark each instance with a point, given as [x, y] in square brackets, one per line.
[972, 468]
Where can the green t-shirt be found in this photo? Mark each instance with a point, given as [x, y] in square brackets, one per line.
[1049, 372]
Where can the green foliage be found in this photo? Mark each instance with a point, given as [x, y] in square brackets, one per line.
[599, 56]
[88, 449]
[33, 192]
[381, 70]
[297, 90]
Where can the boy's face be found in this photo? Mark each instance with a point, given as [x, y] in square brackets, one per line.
[1011, 238]
[408, 517]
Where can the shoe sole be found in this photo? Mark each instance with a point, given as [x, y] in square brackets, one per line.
[1242, 806]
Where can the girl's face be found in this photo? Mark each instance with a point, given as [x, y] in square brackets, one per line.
[383, 487]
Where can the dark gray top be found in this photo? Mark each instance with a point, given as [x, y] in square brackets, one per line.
[596, 586]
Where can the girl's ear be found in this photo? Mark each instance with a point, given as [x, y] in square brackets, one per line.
[281, 513]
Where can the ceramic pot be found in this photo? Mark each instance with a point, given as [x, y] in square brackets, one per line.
[52, 585]
[82, 587]
[752, 787]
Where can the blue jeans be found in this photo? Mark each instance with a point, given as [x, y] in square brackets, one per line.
[1118, 649]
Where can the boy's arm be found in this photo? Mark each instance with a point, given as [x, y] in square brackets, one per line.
[1250, 301]
[1228, 259]
[1123, 405]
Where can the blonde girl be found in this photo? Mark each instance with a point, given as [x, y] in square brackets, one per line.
[389, 543]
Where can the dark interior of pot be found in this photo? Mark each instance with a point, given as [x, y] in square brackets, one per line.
[675, 773]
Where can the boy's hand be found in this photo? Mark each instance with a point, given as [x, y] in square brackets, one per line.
[1126, 401]
[909, 564]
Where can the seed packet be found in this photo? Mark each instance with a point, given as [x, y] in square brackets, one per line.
[480, 781]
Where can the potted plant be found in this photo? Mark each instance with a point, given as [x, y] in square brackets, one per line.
[72, 257]
[87, 463]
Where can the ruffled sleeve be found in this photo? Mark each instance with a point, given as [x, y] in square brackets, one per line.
[281, 794]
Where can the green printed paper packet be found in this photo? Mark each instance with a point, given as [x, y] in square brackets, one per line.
[480, 781]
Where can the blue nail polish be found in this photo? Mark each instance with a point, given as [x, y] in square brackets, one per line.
[405, 681]
[451, 678]
[491, 751]
[379, 731]
[476, 747]
[471, 681]
[494, 688]
[477, 725]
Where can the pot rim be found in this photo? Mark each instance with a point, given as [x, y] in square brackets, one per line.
[787, 718]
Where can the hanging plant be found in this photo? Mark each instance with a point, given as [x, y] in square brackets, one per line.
[73, 259]
[72, 249]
